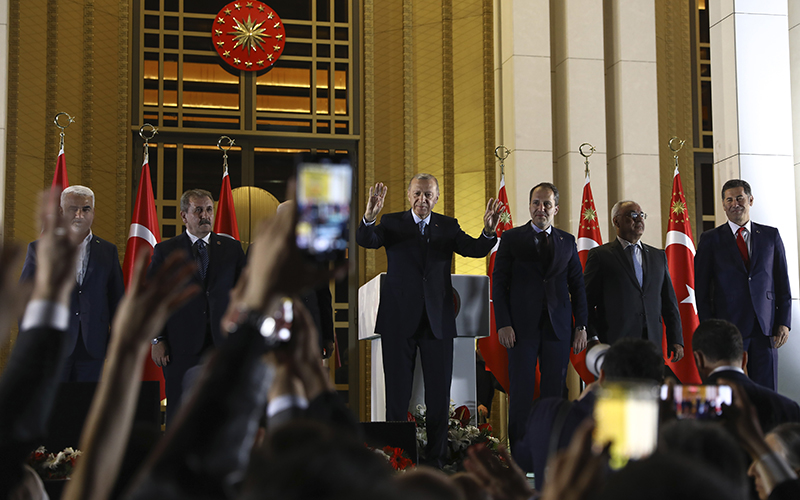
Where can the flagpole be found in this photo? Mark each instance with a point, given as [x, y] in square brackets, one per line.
[60, 180]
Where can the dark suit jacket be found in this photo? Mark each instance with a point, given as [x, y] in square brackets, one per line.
[414, 282]
[520, 284]
[726, 290]
[94, 302]
[619, 307]
[185, 329]
[772, 408]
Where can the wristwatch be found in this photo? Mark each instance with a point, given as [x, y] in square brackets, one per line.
[156, 340]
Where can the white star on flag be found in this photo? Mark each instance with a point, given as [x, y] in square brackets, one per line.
[690, 299]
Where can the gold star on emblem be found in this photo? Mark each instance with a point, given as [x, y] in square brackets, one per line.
[220, 20]
[260, 63]
[237, 60]
[589, 214]
[269, 57]
[261, 8]
[248, 64]
[678, 207]
[249, 5]
[248, 34]
[505, 217]
[218, 32]
[227, 53]
[227, 12]
[238, 7]
[278, 37]
[220, 44]
[277, 25]
[276, 47]
[270, 15]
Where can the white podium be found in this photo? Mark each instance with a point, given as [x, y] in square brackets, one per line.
[471, 304]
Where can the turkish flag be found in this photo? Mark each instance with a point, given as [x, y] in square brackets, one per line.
[493, 353]
[680, 259]
[588, 238]
[60, 181]
[225, 218]
[143, 236]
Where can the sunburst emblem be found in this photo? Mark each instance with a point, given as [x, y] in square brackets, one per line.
[678, 207]
[589, 214]
[505, 217]
[249, 34]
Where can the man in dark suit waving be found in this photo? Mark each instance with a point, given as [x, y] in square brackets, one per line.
[98, 290]
[628, 287]
[195, 327]
[416, 306]
[537, 288]
[741, 276]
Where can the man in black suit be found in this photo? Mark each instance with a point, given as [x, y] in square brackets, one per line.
[628, 287]
[195, 327]
[99, 288]
[719, 354]
[416, 305]
[537, 288]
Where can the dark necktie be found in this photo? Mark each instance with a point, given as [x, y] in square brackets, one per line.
[637, 266]
[743, 247]
[201, 257]
[543, 248]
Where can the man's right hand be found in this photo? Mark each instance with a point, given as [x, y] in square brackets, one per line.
[506, 337]
[160, 353]
[377, 195]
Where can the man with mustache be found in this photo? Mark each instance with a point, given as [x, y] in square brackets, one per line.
[98, 289]
[416, 306]
[195, 327]
[741, 276]
[628, 287]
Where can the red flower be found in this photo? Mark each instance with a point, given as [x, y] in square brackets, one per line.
[486, 427]
[410, 418]
[462, 415]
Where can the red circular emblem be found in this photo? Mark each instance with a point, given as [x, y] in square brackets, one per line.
[248, 35]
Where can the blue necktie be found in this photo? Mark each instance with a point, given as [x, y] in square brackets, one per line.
[201, 258]
[422, 227]
[637, 266]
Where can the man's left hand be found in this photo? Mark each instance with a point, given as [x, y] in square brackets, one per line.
[781, 336]
[579, 344]
[676, 353]
[492, 216]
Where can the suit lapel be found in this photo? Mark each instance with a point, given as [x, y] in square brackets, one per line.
[558, 252]
[731, 248]
[93, 244]
[214, 257]
[626, 264]
[755, 240]
[417, 246]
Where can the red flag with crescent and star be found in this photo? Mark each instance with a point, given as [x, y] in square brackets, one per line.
[588, 237]
[225, 218]
[680, 259]
[142, 238]
[493, 353]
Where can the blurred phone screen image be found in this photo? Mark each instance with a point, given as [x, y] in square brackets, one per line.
[626, 414]
[324, 191]
[699, 402]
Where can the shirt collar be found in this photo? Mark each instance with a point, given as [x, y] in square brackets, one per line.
[194, 238]
[625, 243]
[735, 227]
[417, 219]
[727, 369]
[88, 238]
[537, 229]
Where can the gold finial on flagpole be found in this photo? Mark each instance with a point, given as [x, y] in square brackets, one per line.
[502, 152]
[676, 149]
[586, 155]
[225, 151]
[70, 120]
[152, 131]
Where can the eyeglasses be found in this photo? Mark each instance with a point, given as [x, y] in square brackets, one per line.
[636, 215]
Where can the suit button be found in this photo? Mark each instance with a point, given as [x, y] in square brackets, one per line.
[749, 278]
[77, 314]
[544, 281]
[207, 294]
[80, 292]
[425, 279]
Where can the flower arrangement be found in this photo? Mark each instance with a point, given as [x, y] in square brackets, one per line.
[395, 456]
[52, 466]
[461, 434]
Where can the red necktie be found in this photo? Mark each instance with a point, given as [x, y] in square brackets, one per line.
[742, 248]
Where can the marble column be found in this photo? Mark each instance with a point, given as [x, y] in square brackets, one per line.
[632, 110]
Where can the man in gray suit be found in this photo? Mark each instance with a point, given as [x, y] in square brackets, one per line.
[628, 288]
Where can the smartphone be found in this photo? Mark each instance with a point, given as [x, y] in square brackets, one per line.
[699, 402]
[626, 414]
[324, 192]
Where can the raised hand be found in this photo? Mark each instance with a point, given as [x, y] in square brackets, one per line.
[492, 215]
[56, 255]
[377, 195]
